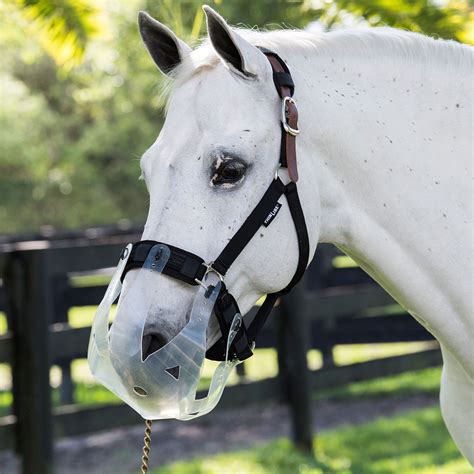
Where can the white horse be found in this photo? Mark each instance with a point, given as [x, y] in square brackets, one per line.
[384, 164]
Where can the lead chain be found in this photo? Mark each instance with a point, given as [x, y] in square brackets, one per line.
[146, 446]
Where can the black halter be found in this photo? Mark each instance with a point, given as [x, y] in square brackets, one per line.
[192, 269]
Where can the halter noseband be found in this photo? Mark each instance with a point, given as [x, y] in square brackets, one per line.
[189, 268]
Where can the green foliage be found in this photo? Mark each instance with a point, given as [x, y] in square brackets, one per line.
[81, 98]
[64, 27]
[416, 442]
[449, 21]
[71, 139]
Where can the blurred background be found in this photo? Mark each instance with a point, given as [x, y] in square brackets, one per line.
[80, 96]
[80, 103]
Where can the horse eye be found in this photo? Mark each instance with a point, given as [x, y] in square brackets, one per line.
[228, 172]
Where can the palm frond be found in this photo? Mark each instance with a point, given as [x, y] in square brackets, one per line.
[63, 26]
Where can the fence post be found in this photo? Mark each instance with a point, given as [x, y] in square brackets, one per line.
[61, 309]
[241, 371]
[327, 353]
[292, 342]
[316, 278]
[29, 294]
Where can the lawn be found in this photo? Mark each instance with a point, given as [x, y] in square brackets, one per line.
[415, 442]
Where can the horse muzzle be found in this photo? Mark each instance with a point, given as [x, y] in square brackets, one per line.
[164, 383]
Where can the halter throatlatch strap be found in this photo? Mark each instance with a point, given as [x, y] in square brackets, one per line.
[291, 193]
[191, 269]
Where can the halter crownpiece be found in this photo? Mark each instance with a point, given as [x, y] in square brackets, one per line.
[148, 388]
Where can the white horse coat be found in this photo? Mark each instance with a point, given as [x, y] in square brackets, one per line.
[385, 169]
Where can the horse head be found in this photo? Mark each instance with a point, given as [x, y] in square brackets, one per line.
[213, 160]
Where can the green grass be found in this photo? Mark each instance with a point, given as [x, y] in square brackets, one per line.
[343, 261]
[415, 442]
[3, 323]
[90, 280]
[410, 383]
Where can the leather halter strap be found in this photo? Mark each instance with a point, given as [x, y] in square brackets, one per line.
[191, 269]
[285, 87]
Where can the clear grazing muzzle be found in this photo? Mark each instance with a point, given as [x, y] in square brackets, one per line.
[165, 384]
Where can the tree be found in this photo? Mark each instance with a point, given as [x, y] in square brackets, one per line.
[80, 105]
[64, 27]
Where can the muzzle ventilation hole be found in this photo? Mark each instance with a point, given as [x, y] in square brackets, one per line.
[173, 371]
[141, 392]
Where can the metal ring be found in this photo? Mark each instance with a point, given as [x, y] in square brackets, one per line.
[211, 269]
[125, 253]
[199, 282]
[286, 179]
[276, 172]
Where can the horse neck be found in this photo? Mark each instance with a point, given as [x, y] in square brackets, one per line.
[387, 142]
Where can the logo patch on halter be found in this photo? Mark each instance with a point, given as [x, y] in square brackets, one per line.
[272, 215]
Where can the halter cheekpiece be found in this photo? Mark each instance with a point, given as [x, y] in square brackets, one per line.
[192, 269]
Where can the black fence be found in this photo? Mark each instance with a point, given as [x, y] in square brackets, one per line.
[330, 306]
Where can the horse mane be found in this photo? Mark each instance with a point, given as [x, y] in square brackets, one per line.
[381, 43]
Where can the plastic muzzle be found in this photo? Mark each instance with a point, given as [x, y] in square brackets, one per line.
[164, 385]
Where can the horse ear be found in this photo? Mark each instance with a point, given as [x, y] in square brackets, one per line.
[165, 48]
[235, 51]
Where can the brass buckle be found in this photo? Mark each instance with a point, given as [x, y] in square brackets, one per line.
[284, 119]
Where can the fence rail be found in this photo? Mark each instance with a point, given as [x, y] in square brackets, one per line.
[71, 343]
[319, 313]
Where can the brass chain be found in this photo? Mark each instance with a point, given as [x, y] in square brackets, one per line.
[146, 446]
